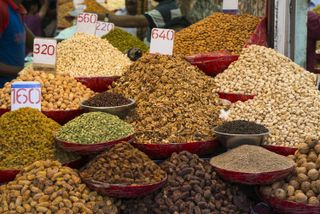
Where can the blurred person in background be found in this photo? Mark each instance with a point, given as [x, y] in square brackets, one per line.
[130, 9]
[165, 15]
[14, 37]
[36, 13]
[313, 36]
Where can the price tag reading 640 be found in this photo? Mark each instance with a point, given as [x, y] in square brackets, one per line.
[162, 41]
[25, 94]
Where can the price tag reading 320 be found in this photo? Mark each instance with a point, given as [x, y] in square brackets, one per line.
[86, 23]
[44, 52]
[103, 28]
[25, 94]
[162, 41]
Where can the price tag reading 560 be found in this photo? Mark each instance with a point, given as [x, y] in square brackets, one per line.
[86, 23]
[44, 52]
[25, 94]
[162, 41]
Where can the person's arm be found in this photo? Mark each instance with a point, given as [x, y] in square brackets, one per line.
[44, 9]
[29, 38]
[126, 20]
[9, 70]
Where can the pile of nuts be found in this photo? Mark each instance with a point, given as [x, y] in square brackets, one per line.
[94, 7]
[217, 32]
[192, 187]
[89, 56]
[58, 91]
[259, 70]
[304, 185]
[290, 113]
[107, 99]
[48, 187]
[64, 7]
[175, 102]
[123, 164]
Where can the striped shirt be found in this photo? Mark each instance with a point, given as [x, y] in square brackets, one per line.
[165, 15]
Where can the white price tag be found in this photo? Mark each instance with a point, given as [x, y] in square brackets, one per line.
[103, 28]
[162, 41]
[86, 23]
[25, 94]
[44, 52]
[75, 2]
[230, 6]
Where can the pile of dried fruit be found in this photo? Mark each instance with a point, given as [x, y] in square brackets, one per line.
[124, 41]
[241, 127]
[48, 187]
[260, 70]
[175, 102]
[59, 91]
[304, 185]
[217, 32]
[89, 56]
[94, 127]
[123, 164]
[107, 99]
[94, 7]
[192, 187]
[251, 159]
[26, 135]
[63, 9]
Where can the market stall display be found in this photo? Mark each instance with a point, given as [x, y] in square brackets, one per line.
[123, 171]
[216, 41]
[47, 186]
[93, 132]
[259, 70]
[252, 165]
[175, 103]
[111, 103]
[26, 135]
[92, 59]
[63, 9]
[92, 6]
[124, 41]
[58, 91]
[303, 187]
[192, 187]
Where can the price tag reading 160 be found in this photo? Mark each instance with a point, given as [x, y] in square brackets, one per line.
[25, 94]
[86, 23]
[162, 41]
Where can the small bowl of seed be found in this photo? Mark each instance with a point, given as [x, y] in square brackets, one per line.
[108, 102]
[240, 132]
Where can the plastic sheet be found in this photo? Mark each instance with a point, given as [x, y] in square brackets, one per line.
[216, 62]
[253, 178]
[123, 191]
[87, 149]
[162, 151]
[97, 84]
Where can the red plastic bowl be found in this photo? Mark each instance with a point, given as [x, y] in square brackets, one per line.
[123, 191]
[97, 84]
[253, 178]
[161, 151]
[87, 149]
[10, 174]
[288, 207]
[281, 150]
[235, 97]
[60, 116]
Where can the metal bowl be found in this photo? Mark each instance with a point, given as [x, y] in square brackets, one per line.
[120, 111]
[231, 141]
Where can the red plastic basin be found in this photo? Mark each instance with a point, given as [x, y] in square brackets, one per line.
[86, 149]
[123, 191]
[253, 178]
[97, 84]
[287, 207]
[235, 97]
[60, 116]
[281, 150]
[10, 174]
[161, 151]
